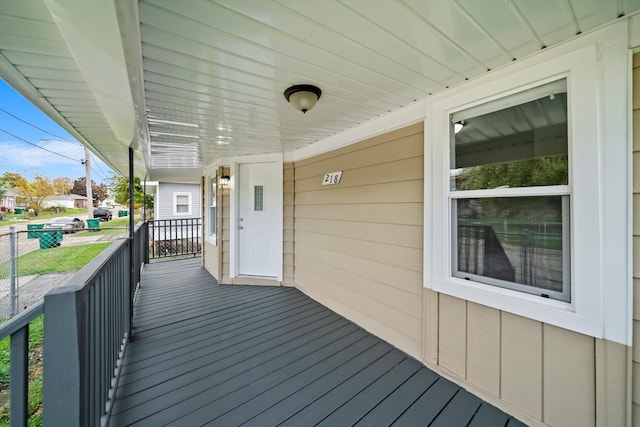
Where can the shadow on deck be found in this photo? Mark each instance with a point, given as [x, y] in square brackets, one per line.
[212, 354]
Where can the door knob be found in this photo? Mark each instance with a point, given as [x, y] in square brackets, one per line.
[241, 227]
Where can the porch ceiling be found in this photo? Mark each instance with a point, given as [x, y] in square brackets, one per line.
[117, 74]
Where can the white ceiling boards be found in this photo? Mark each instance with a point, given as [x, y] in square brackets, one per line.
[189, 82]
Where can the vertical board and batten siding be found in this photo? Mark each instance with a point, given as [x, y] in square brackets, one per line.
[358, 244]
[544, 373]
[165, 206]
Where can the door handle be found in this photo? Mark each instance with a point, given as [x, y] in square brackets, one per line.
[241, 227]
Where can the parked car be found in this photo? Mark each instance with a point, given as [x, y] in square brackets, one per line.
[102, 214]
[65, 223]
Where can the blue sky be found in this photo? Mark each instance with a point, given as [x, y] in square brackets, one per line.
[28, 160]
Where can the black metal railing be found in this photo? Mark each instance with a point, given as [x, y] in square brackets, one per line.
[87, 327]
[175, 237]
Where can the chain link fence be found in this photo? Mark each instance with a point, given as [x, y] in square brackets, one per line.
[34, 260]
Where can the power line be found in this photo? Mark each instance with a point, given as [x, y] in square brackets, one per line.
[36, 127]
[37, 146]
[99, 174]
[97, 165]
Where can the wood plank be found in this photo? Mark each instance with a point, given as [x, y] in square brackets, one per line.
[224, 355]
[460, 410]
[372, 395]
[427, 407]
[193, 379]
[489, 416]
[397, 402]
[310, 386]
[172, 364]
[247, 384]
[333, 396]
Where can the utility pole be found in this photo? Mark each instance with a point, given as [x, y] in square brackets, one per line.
[87, 167]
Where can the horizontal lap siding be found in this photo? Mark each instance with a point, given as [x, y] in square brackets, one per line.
[287, 227]
[165, 203]
[358, 244]
[636, 239]
[225, 225]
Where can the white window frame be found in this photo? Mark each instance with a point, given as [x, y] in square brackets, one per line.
[518, 98]
[177, 194]
[600, 209]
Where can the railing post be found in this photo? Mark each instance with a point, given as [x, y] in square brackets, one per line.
[13, 271]
[146, 242]
[129, 286]
[62, 390]
[19, 377]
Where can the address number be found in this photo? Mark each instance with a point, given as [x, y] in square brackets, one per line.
[332, 178]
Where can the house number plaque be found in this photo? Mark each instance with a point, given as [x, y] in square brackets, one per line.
[332, 178]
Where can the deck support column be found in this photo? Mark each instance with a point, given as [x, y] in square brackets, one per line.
[132, 274]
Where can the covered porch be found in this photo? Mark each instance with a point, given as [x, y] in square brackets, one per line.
[203, 353]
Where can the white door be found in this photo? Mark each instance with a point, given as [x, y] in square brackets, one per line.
[259, 233]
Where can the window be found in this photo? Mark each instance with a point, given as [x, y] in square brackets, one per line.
[258, 198]
[212, 207]
[181, 204]
[526, 206]
[502, 235]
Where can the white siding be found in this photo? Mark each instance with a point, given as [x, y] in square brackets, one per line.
[164, 203]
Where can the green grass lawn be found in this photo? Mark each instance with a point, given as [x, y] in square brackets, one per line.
[55, 260]
[36, 335]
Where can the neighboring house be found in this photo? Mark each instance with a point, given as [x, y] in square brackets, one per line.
[109, 202]
[67, 201]
[175, 200]
[9, 200]
[177, 212]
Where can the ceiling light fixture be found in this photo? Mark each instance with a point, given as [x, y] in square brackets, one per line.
[457, 126]
[303, 97]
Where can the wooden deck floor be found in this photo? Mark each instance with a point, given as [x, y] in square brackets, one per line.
[205, 354]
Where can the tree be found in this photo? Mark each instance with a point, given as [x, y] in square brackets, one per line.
[528, 173]
[80, 187]
[119, 187]
[13, 180]
[34, 193]
[62, 185]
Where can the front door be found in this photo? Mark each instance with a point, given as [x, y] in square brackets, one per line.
[258, 219]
